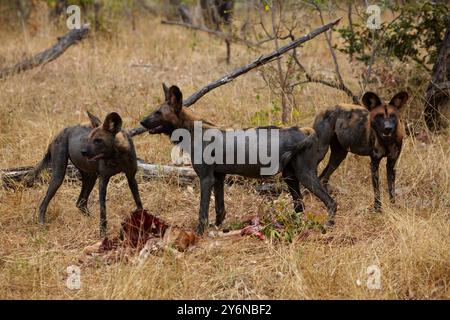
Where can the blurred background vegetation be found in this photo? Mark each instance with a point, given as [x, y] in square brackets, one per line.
[402, 53]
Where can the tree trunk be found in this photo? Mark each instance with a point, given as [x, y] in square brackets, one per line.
[60, 7]
[437, 94]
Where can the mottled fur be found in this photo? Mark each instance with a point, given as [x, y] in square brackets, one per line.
[298, 150]
[97, 150]
[374, 130]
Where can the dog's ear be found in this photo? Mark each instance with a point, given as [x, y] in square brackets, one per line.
[370, 100]
[113, 123]
[166, 92]
[175, 99]
[399, 99]
[95, 122]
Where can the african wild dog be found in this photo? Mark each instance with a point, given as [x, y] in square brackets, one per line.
[297, 156]
[374, 130]
[102, 150]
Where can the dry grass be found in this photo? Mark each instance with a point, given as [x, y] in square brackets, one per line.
[409, 241]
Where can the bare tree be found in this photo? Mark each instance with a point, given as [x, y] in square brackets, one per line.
[280, 78]
[283, 78]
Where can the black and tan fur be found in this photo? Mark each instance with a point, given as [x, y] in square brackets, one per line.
[373, 130]
[97, 150]
[297, 154]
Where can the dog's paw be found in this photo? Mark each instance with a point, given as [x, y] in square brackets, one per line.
[329, 224]
[84, 210]
[200, 229]
[376, 208]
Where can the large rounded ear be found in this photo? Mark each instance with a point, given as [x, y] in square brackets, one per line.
[175, 99]
[166, 92]
[95, 122]
[113, 123]
[399, 99]
[370, 100]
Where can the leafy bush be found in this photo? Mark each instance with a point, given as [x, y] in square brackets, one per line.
[416, 33]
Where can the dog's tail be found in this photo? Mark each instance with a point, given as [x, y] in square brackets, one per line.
[34, 173]
[310, 139]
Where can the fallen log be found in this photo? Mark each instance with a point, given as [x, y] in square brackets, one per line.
[262, 60]
[48, 55]
[185, 175]
[147, 171]
[13, 176]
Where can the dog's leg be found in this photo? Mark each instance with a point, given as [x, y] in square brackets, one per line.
[103, 185]
[338, 154]
[219, 197]
[58, 164]
[294, 188]
[132, 183]
[206, 185]
[87, 184]
[309, 179]
[374, 165]
[390, 169]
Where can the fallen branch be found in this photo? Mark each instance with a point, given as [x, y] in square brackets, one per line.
[11, 177]
[147, 171]
[186, 175]
[264, 59]
[48, 55]
[331, 84]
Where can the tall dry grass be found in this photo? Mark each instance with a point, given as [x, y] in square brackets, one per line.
[409, 241]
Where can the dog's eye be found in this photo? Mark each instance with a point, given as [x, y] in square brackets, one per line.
[158, 113]
[98, 141]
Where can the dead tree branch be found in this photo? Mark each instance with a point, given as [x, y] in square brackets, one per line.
[185, 175]
[335, 85]
[262, 60]
[48, 55]
[147, 171]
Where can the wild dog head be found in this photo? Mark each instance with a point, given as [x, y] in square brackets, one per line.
[384, 117]
[166, 118]
[101, 141]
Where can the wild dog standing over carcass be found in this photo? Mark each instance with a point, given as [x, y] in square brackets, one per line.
[374, 130]
[97, 150]
[293, 152]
